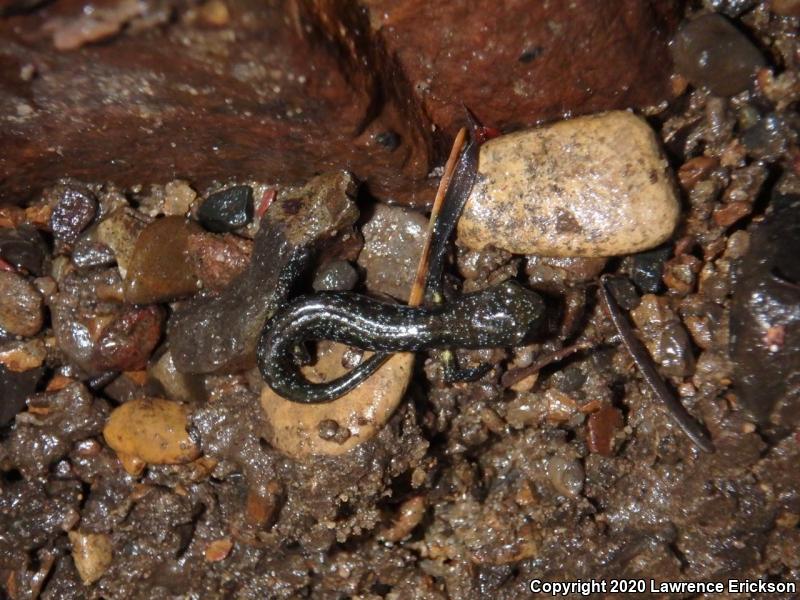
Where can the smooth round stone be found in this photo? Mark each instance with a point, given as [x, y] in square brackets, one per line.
[591, 186]
[160, 269]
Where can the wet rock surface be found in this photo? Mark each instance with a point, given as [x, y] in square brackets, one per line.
[73, 209]
[336, 276]
[765, 319]
[218, 260]
[150, 430]
[592, 186]
[227, 210]
[96, 330]
[712, 53]
[160, 268]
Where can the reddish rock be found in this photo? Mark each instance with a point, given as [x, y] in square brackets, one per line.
[516, 63]
[603, 424]
[286, 91]
[218, 259]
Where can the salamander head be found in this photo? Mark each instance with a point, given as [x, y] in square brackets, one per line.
[507, 314]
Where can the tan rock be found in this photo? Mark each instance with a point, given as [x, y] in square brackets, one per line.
[295, 428]
[152, 430]
[178, 197]
[591, 186]
[91, 553]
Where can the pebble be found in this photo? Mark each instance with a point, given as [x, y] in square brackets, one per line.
[23, 355]
[227, 210]
[710, 52]
[73, 212]
[178, 198]
[160, 269]
[90, 253]
[152, 430]
[335, 276]
[96, 331]
[553, 273]
[177, 386]
[566, 475]
[119, 231]
[648, 267]
[91, 553]
[295, 428]
[696, 169]
[218, 550]
[21, 305]
[218, 259]
[592, 186]
[393, 240]
[603, 424]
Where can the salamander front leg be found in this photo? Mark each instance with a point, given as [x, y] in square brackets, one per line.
[452, 373]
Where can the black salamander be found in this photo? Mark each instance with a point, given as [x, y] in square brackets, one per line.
[503, 315]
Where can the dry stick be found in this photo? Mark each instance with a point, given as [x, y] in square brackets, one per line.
[516, 375]
[418, 289]
[648, 370]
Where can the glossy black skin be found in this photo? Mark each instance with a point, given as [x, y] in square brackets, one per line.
[504, 315]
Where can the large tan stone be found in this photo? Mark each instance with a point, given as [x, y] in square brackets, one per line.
[295, 429]
[591, 186]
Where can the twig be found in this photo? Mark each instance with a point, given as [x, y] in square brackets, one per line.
[421, 276]
[647, 368]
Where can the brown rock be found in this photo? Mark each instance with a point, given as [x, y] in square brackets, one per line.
[603, 424]
[97, 332]
[249, 97]
[218, 550]
[152, 430]
[160, 269]
[393, 240]
[23, 356]
[287, 90]
[21, 311]
[119, 231]
[536, 62]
